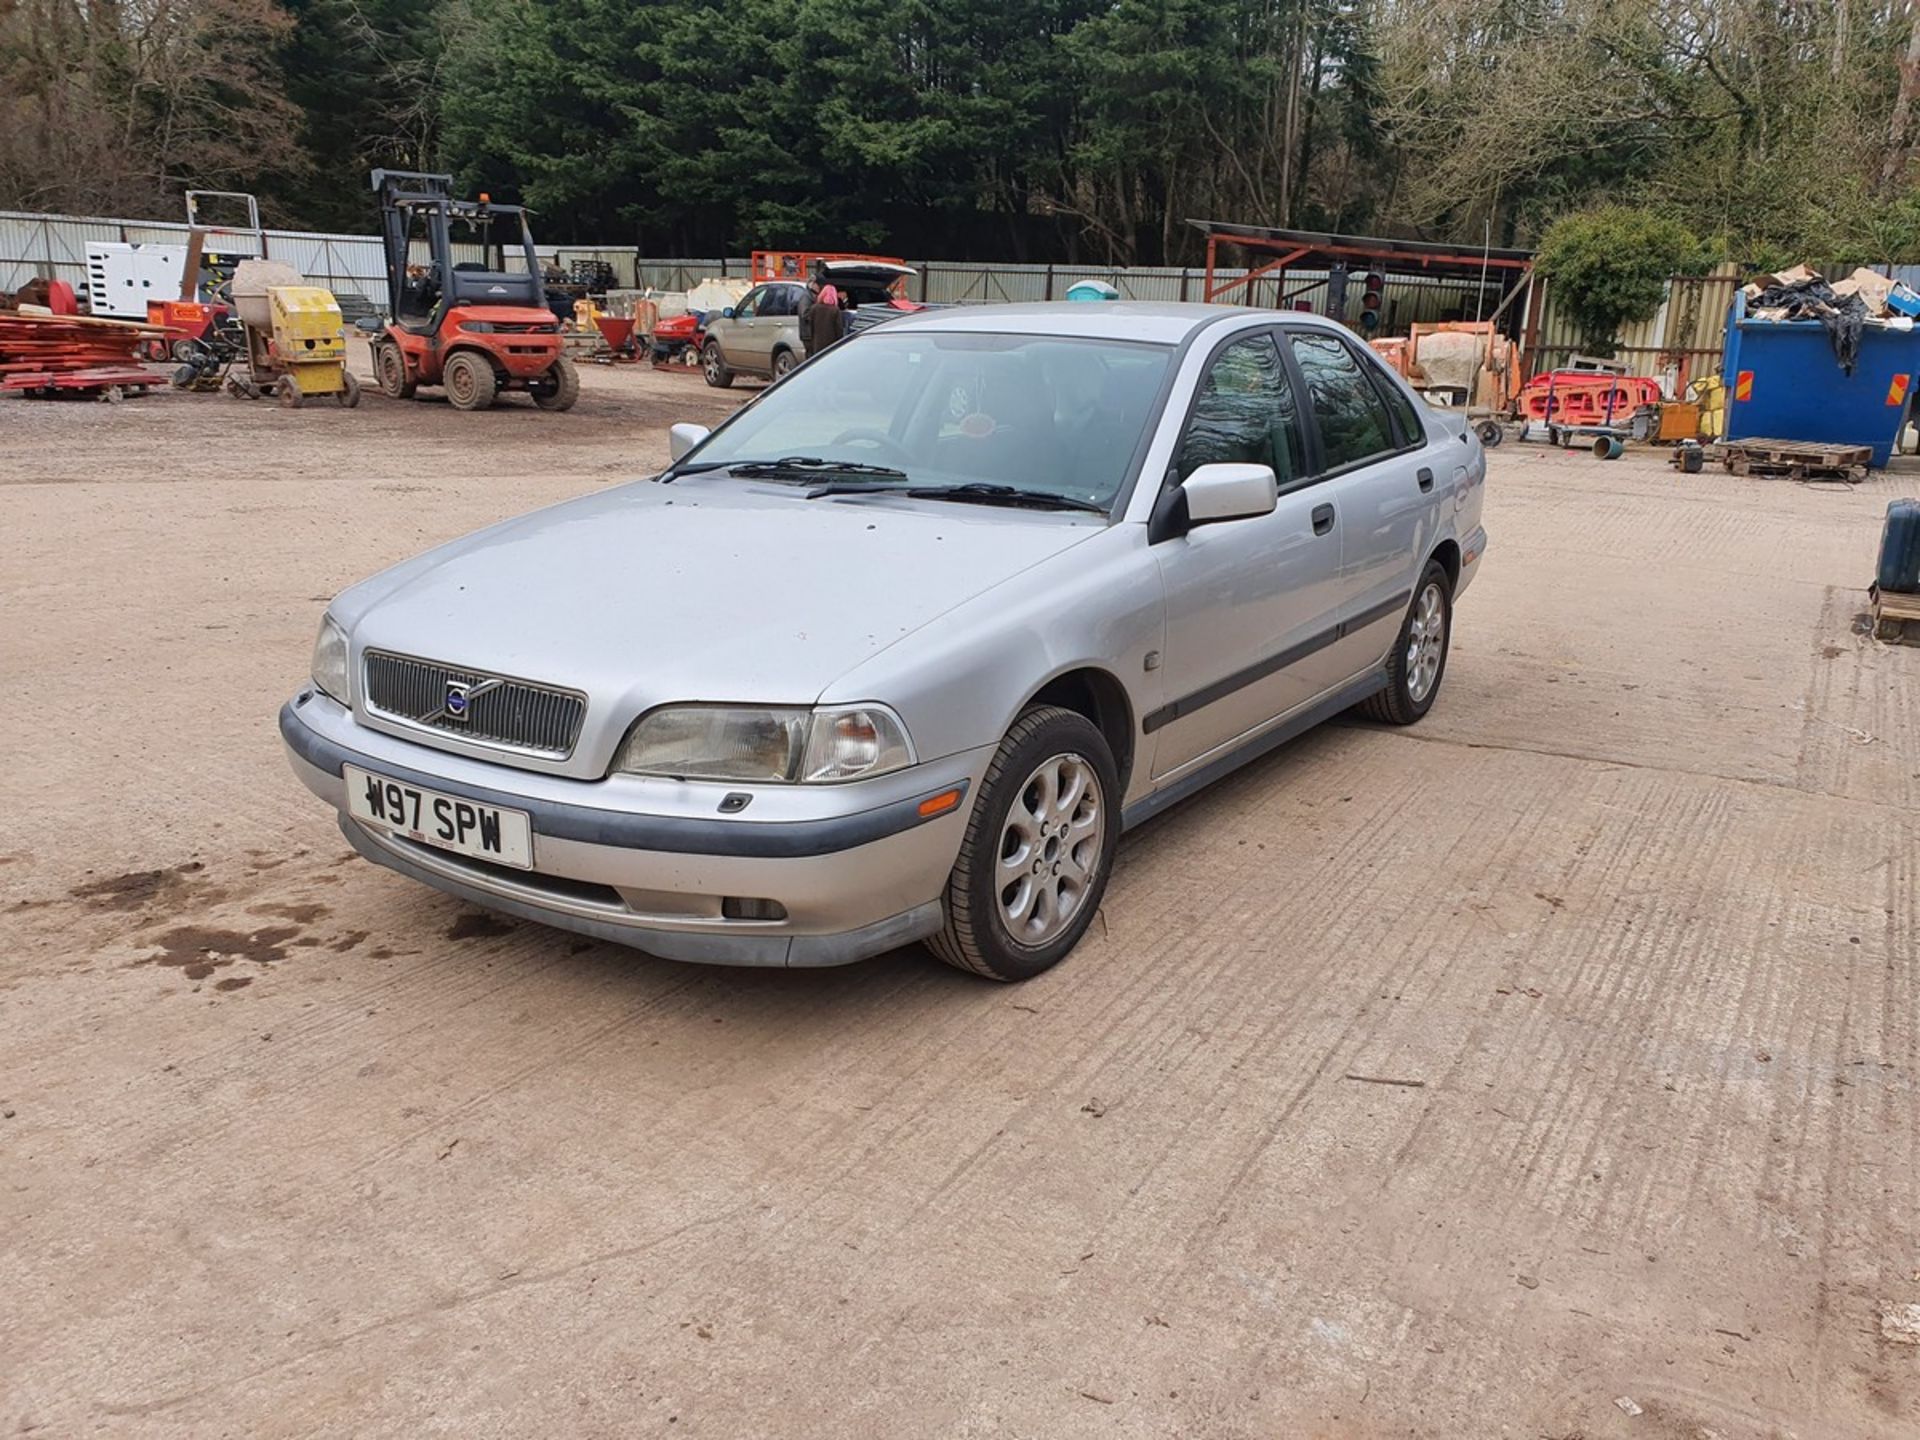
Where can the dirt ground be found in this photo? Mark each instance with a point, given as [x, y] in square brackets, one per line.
[290, 1146]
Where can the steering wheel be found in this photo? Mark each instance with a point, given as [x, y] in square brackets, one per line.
[878, 440]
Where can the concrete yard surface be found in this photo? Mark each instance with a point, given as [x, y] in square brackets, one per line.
[1547, 1069]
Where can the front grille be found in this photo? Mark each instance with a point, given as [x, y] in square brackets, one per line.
[514, 714]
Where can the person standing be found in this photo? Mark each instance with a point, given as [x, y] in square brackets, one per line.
[810, 296]
[823, 323]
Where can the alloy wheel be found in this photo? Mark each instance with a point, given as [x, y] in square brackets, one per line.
[1050, 849]
[1426, 643]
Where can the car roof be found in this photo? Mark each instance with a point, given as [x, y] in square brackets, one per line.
[1160, 322]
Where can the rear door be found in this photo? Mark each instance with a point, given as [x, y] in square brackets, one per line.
[1249, 602]
[778, 323]
[1385, 476]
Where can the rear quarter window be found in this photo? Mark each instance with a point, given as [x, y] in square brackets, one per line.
[1352, 418]
[1413, 430]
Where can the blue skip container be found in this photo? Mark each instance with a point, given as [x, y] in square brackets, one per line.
[1784, 384]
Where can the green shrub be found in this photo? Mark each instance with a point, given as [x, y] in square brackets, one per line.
[1609, 267]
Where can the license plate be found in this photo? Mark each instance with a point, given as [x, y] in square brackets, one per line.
[447, 822]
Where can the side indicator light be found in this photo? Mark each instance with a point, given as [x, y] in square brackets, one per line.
[939, 804]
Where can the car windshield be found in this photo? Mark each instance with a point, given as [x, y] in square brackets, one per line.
[1041, 413]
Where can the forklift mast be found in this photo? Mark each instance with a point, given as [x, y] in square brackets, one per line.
[407, 193]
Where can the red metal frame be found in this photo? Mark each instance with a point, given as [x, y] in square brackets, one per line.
[130, 377]
[1291, 251]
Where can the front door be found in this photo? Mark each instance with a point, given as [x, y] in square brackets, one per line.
[1249, 602]
[748, 333]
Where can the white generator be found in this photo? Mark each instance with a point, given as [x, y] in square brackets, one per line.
[122, 278]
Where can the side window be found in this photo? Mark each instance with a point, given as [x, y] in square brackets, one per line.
[749, 304]
[1352, 416]
[1412, 431]
[780, 300]
[1245, 412]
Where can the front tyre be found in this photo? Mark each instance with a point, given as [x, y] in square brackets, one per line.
[1419, 658]
[1039, 846]
[713, 365]
[469, 381]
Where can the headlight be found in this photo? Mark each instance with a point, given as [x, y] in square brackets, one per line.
[786, 745]
[330, 673]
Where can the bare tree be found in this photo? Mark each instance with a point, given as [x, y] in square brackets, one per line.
[1899, 148]
[119, 106]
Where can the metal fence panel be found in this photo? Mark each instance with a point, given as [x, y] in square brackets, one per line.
[1682, 342]
[1684, 338]
[50, 246]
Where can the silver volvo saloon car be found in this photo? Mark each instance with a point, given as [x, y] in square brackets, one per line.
[898, 651]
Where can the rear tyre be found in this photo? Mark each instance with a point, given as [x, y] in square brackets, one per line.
[348, 395]
[470, 382]
[559, 387]
[287, 393]
[1419, 659]
[390, 369]
[1039, 845]
[783, 363]
[714, 366]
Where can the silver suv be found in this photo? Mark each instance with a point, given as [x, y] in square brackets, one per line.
[760, 335]
[899, 650]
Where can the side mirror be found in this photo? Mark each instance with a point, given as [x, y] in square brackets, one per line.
[1230, 491]
[682, 438]
[727, 314]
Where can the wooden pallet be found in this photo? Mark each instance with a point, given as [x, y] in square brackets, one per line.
[1895, 617]
[1796, 459]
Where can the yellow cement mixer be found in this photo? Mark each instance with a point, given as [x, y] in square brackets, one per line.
[296, 338]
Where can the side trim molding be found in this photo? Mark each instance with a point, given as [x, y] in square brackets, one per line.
[1342, 699]
[1272, 664]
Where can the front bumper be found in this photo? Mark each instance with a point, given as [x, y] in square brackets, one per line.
[856, 867]
[528, 361]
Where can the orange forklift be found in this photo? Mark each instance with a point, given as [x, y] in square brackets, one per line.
[473, 327]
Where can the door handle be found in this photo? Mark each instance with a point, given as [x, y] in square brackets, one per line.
[1322, 519]
[1426, 479]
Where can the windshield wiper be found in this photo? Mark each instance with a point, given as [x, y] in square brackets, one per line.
[978, 492]
[787, 465]
[699, 467]
[814, 465]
